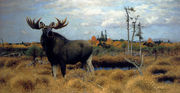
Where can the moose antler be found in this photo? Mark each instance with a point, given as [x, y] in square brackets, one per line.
[33, 24]
[60, 24]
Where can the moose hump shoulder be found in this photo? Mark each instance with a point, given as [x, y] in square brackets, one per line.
[61, 51]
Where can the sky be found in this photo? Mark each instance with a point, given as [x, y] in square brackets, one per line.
[159, 18]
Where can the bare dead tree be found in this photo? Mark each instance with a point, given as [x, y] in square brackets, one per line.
[134, 30]
[139, 34]
[127, 20]
[128, 10]
[138, 66]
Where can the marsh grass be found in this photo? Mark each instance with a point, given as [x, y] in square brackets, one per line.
[141, 85]
[76, 83]
[175, 60]
[17, 77]
[42, 81]
[115, 88]
[131, 73]
[2, 63]
[11, 63]
[118, 75]
[103, 81]
[163, 63]
[158, 69]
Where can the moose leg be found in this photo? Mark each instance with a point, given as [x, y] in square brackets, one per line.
[63, 69]
[54, 69]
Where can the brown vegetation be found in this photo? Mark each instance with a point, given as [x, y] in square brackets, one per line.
[161, 76]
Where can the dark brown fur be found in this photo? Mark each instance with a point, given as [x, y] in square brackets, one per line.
[61, 51]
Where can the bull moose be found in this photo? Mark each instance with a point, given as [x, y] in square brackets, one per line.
[61, 51]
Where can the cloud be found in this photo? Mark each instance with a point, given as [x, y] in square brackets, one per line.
[84, 12]
[86, 17]
[92, 11]
[84, 24]
[89, 32]
[24, 32]
[65, 4]
[173, 20]
[111, 23]
[14, 6]
[152, 19]
[151, 12]
[114, 19]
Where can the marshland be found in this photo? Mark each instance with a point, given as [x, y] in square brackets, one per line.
[18, 75]
[97, 46]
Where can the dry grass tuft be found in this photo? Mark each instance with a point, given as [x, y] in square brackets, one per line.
[45, 72]
[115, 88]
[42, 81]
[2, 63]
[131, 73]
[163, 63]
[113, 59]
[103, 81]
[77, 73]
[3, 81]
[27, 85]
[178, 80]
[141, 85]
[76, 83]
[102, 72]
[48, 67]
[26, 58]
[175, 60]
[158, 69]
[118, 75]
[12, 63]
[5, 76]
[22, 83]
[175, 71]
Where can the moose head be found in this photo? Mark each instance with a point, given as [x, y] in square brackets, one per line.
[47, 30]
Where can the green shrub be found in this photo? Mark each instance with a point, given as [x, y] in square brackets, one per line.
[98, 51]
[33, 51]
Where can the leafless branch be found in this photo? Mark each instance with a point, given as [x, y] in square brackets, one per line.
[134, 63]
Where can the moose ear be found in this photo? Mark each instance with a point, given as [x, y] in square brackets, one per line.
[41, 25]
[52, 24]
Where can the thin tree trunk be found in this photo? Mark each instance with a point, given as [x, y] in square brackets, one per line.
[134, 30]
[127, 26]
[128, 33]
[140, 37]
[140, 51]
